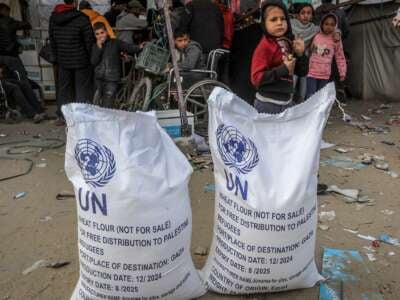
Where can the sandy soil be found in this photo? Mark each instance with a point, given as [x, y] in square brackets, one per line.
[27, 237]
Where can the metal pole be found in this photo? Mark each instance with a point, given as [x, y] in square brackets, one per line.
[181, 104]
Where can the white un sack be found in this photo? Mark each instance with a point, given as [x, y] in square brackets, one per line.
[265, 169]
[134, 216]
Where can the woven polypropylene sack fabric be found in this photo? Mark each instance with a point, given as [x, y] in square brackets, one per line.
[133, 207]
[265, 169]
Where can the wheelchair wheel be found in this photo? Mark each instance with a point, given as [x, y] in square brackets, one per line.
[140, 95]
[196, 102]
[13, 116]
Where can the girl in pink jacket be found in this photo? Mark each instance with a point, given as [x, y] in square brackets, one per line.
[324, 48]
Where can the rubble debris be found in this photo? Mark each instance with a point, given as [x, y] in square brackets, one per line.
[393, 174]
[389, 143]
[348, 193]
[326, 145]
[325, 216]
[366, 237]
[343, 150]
[385, 238]
[387, 212]
[63, 195]
[45, 264]
[323, 227]
[201, 251]
[20, 195]
[371, 256]
[46, 219]
[343, 162]
[41, 165]
[382, 166]
[376, 244]
[344, 268]
[366, 118]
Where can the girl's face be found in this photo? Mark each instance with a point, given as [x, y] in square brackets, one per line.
[305, 15]
[275, 21]
[329, 25]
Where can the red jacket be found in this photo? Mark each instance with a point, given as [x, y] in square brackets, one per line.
[268, 73]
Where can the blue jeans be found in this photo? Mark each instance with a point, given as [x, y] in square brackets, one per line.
[314, 85]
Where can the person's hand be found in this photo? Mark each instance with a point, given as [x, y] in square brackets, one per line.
[342, 78]
[396, 21]
[337, 36]
[141, 46]
[290, 64]
[298, 46]
[99, 43]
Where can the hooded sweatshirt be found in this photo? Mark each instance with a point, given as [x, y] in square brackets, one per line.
[71, 37]
[323, 49]
[95, 17]
[191, 57]
[269, 74]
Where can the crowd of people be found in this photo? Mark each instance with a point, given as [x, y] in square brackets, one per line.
[294, 53]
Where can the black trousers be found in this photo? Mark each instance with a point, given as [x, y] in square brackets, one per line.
[15, 97]
[74, 85]
[105, 93]
[29, 94]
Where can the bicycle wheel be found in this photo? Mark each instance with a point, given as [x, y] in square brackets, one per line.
[140, 94]
[196, 102]
[158, 99]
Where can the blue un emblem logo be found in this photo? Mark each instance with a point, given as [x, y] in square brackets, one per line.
[97, 163]
[237, 151]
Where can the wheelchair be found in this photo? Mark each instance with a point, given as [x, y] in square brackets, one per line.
[164, 96]
[7, 113]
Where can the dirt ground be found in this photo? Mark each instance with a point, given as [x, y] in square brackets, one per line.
[38, 226]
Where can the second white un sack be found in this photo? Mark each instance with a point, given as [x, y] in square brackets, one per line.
[134, 216]
[265, 169]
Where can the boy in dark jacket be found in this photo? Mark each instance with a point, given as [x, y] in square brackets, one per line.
[107, 63]
[276, 59]
[189, 56]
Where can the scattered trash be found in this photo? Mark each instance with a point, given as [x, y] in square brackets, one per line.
[366, 237]
[20, 195]
[385, 106]
[323, 227]
[343, 150]
[201, 145]
[369, 249]
[387, 212]
[59, 264]
[351, 231]
[45, 264]
[391, 253]
[371, 256]
[382, 166]
[393, 174]
[366, 118]
[389, 143]
[385, 238]
[376, 244]
[208, 188]
[63, 195]
[46, 219]
[39, 264]
[348, 193]
[394, 121]
[201, 251]
[344, 270]
[3, 135]
[326, 145]
[200, 162]
[325, 216]
[41, 165]
[344, 163]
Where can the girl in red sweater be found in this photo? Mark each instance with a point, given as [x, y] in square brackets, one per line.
[276, 59]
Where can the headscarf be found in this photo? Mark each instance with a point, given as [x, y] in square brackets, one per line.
[281, 5]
